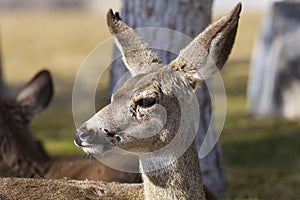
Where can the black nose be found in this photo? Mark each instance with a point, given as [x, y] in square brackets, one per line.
[77, 139]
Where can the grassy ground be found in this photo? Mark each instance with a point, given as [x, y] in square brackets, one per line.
[261, 155]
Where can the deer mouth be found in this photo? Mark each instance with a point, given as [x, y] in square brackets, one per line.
[92, 141]
[96, 149]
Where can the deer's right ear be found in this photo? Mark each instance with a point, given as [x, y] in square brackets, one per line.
[209, 51]
[38, 92]
[137, 54]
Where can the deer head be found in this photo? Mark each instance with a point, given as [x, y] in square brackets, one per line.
[144, 114]
[16, 140]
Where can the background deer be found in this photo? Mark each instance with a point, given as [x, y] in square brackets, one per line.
[22, 156]
[152, 102]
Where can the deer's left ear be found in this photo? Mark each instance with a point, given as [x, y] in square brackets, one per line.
[209, 51]
[38, 93]
[137, 54]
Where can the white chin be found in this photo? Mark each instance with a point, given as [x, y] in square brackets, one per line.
[93, 150]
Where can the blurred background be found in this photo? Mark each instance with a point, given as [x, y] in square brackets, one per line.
[261, 155]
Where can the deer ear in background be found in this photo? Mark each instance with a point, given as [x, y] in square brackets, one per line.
[38, 93]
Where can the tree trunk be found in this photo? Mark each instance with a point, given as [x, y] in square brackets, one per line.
[274, 81]
[190, 18]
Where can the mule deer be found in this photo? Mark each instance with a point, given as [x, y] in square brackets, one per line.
[152, 102]
[22, 156]
[18, 147]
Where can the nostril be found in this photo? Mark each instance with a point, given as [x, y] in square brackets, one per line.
[83, 135]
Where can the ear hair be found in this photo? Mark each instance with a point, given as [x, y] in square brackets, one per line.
[38, 93]
[137, 54]
[209, 51]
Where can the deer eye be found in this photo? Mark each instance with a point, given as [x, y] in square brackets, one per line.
[146, 102]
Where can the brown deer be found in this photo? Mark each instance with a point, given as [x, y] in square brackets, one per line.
[22, 156]
[151, 103]
[221, 35]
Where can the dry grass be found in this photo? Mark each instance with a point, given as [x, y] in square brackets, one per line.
[261, 155]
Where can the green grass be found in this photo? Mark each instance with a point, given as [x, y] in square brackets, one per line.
[261, 155]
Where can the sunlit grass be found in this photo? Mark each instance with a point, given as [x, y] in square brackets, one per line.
[261, 155]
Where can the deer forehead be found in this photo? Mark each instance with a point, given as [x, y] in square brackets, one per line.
[149, 85]
[10, 110]
[142, 85]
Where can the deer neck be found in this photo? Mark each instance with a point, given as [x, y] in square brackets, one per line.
[179, 180]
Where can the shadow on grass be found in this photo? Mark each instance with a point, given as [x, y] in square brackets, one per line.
[262, 157]
[268, 151]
